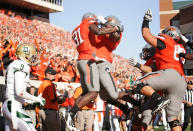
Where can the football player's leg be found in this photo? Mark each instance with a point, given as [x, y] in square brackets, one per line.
[147, 114]
[106, 79]
[147, 85]
[176, 93]
[108, 83]
[24, 121]
[89, 79]
[6, 110]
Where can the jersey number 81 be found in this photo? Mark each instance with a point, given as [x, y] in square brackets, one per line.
[77, 37]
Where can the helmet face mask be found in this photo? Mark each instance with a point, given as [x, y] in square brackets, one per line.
[173, 32]
[27, 53]
[147, 52]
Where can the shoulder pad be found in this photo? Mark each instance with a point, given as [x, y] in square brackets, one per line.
[19, 65]
[161, 37]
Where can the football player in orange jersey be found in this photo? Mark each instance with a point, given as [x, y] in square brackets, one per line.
[145, 122]
[86, 37]
[103, 57]
[170, 75]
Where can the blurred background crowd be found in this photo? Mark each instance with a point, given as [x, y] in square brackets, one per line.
[55, 48]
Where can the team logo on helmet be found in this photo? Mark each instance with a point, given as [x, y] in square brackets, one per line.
[27, 53]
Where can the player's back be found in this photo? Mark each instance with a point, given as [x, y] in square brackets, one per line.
[105, 47]
[16, 65]
[85, 39]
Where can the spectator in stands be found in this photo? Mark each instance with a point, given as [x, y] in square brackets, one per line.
[4, 52]
[50, 114]
[65, 106]
[188, 106]
[46, 37]
[85, 116]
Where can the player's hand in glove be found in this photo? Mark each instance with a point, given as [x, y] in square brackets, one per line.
[133, 62]
[148, 16]
[41, 100]
[101, 19]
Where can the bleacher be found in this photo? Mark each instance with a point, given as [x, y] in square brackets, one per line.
[51, 41]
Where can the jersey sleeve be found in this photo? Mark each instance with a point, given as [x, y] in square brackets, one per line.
[20, 88]
[164, 38]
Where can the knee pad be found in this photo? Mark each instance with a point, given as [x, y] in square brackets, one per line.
[139, 86]
[174, 123]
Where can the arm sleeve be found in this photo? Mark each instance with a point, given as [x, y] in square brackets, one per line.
[160, 44]
[20, 89]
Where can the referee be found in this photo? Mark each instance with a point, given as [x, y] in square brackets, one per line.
[188, 107]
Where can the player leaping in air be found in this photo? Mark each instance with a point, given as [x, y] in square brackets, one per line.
[170, 74]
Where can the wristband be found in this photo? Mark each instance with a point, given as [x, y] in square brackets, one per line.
[138, 65]
[145, 24]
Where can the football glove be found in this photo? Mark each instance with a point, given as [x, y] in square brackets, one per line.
[41, 100]
[101, 20]
[133, 62]
[148, 15]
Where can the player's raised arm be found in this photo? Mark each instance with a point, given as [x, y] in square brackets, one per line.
[148, 37]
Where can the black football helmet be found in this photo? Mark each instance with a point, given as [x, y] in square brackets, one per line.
[147, 52]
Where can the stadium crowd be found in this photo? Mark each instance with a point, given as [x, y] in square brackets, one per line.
[57, 53]
[55, 47]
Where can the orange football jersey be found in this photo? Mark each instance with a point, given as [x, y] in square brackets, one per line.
[85, 39]
[105, 47]
[151, 62]
[168, 57]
